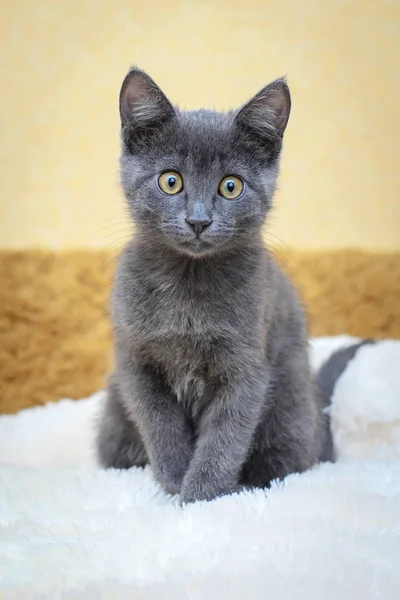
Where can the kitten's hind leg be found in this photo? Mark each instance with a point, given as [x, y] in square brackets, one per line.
[119, 444]
[291, 436]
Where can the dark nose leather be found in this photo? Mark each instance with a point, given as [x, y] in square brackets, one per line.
[198, 224]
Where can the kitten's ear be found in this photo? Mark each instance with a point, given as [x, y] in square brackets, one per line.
[142, 105]
[267, 113]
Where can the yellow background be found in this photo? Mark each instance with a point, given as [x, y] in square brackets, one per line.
[62, 64]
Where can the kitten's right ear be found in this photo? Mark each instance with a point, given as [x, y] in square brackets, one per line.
[267, 113]
[142, 105]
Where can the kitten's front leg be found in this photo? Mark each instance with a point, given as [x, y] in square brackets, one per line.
[225, 437]
[164, 428]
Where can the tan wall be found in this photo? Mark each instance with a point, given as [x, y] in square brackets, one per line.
[62, 64]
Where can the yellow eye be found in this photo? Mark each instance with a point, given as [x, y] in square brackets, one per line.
[170, 182]
[231, 187]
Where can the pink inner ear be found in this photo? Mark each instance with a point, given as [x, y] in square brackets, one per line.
[269, 110]
[278, 102]
[142, 101]
[135, 91]
[280, 106]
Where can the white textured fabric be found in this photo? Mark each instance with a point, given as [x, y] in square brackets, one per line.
[366, 404]
[69, 530]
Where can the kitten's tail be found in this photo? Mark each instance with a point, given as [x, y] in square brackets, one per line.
[327, 377]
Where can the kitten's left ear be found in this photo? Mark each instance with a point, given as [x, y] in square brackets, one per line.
[142, 105]
[267, 113]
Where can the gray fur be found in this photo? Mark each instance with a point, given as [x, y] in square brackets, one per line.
[212, 383]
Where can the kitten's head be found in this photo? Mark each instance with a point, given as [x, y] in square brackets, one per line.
[199, 181]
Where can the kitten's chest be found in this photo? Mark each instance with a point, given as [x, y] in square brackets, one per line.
[185, 332]
[195, 330]
[192, 340]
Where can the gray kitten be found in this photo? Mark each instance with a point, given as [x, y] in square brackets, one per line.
[212, 384]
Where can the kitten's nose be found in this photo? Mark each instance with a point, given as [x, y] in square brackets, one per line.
[198, 224]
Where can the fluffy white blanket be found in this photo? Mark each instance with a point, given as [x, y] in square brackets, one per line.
[69, 530]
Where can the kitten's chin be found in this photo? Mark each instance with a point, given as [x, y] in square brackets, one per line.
[197, 247]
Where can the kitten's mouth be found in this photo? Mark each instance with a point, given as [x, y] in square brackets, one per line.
[197, 246]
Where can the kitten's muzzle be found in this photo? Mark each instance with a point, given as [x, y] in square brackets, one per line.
[198, 225]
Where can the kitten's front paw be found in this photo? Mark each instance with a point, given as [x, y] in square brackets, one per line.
[170, 472]
[199, 487]
[195, 494]
[170, 480]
